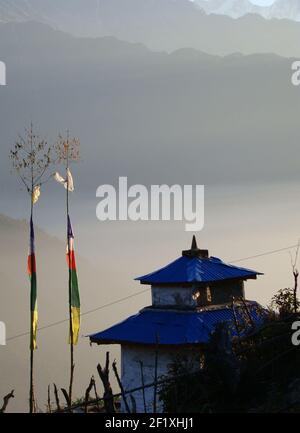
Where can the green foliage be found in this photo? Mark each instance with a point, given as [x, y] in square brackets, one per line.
[284, 301]
[257, 373]
[182, 394]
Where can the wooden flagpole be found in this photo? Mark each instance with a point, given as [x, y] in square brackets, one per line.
[72, 366]
[31, 392]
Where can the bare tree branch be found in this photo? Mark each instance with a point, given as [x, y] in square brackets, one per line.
[56, 397]
[6, 400]
[114, 366]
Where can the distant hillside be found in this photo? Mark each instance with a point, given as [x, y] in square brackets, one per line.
[162, 24]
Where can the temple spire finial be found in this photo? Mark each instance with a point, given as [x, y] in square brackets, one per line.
[194, 244]
[195, 251]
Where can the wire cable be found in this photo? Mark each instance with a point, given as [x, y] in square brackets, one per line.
[264, 254]
[117, 301]
[59, 322]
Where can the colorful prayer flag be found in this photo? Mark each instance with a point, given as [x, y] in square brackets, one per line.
[73, 287]
[33, 288]
[36, 194]
[68, 182]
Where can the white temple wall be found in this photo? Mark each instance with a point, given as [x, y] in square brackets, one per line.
[131, 356]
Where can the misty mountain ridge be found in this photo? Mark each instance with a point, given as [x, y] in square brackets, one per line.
[134, 108]
[177, 23]
[280, 9]
[232, 8]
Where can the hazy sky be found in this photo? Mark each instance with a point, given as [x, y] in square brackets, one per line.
[263, 2]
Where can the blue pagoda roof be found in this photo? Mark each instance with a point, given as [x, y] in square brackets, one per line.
[195, 266]
[176, 327]
[197, 270]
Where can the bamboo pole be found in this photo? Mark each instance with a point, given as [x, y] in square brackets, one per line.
[72, 366]
[31, 391]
